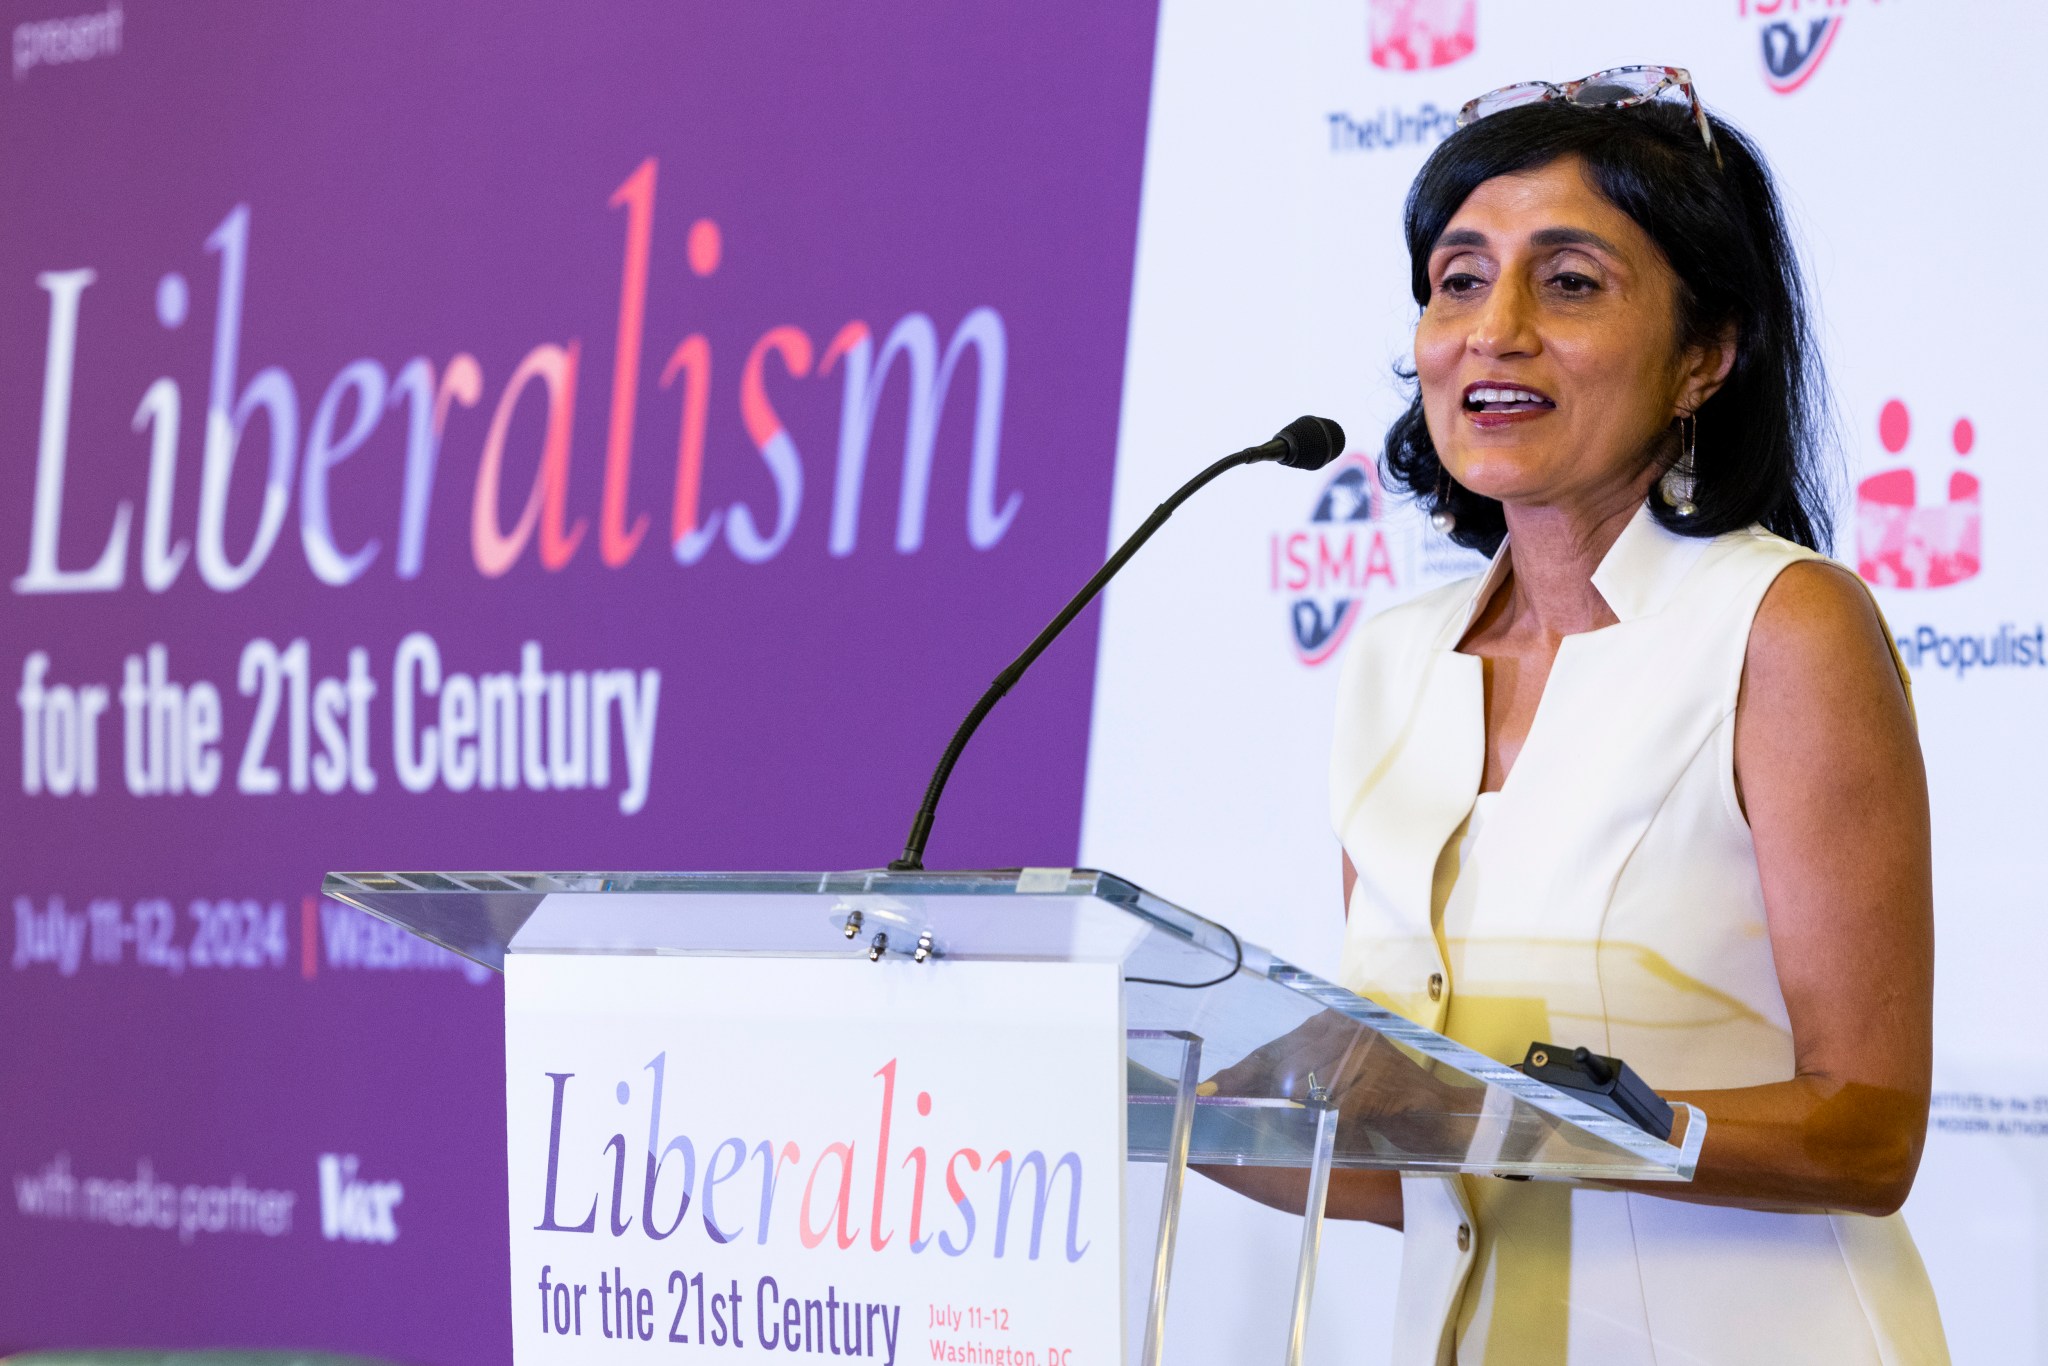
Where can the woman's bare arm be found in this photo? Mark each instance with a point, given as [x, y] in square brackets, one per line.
[1831, 779]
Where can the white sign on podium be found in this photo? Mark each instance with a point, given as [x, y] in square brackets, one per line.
[778, 1158]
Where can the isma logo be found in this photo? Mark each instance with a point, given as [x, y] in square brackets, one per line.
[1356, 553]
[1421, 35]
[1326, 567]
[1795, 37]
[1903, 542]
[1790, 57]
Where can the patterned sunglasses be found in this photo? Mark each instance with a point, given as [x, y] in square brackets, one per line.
[1616, 88]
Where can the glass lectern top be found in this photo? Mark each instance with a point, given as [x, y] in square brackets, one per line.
[1277, 1045]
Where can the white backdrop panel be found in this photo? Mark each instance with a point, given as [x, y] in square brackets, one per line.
[1272, 280]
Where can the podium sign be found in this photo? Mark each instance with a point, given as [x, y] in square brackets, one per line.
[905, 1098]
[822, 1157]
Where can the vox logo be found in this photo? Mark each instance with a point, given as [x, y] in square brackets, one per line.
[354, 1210]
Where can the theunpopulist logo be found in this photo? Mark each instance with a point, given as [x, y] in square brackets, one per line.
[1420, 35]
[1902, 542]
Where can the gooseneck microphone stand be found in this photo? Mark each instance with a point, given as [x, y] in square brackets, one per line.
[1305, 443]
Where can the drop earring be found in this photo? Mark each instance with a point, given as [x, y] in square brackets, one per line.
[1443, 519]
[1676, 485]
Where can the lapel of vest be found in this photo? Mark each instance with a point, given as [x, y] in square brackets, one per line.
[1425, 731]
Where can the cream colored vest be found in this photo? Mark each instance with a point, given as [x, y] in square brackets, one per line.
[1610, 899]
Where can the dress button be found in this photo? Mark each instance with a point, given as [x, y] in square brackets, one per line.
[1464, 1237]
[1436, 986]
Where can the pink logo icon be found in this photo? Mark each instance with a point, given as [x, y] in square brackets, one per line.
[1417, 35]
[1902, 543]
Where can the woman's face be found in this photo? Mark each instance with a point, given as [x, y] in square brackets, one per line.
[1548, 355]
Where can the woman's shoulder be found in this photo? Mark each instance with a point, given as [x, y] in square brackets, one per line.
[1797, 587]
[1726, 577]
[1757, 548]
[1816, 615]
[1812, 615]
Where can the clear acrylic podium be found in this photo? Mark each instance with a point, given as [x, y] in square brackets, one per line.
[1235, 1056]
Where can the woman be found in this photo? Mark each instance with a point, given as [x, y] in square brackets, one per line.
[1650, 785]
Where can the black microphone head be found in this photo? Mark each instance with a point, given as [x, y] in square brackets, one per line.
[1312, 442]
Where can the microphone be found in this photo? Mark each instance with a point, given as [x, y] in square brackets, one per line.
[1307, 443]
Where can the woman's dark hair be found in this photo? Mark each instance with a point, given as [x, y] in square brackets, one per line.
[1760, 437]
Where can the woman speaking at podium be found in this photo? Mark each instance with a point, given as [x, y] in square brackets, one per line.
[1650, 784]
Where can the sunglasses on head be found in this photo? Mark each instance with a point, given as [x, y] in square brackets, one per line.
[1617, 87]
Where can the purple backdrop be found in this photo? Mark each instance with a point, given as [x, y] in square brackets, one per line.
[443, 182]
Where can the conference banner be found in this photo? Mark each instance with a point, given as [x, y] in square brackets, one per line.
[531, 436]
[617, 437]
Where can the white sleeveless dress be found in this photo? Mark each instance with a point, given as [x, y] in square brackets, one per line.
[1607, 896]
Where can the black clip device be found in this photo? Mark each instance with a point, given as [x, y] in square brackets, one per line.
[1607, 1084]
